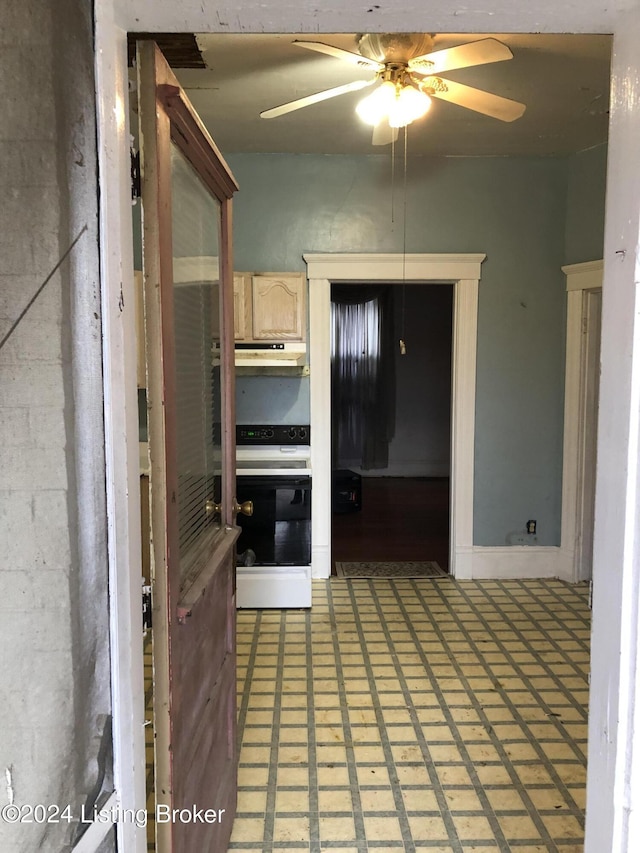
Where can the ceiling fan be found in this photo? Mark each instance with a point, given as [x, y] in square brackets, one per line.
[408, 70]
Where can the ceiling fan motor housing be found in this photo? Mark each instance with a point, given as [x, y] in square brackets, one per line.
[394, 47]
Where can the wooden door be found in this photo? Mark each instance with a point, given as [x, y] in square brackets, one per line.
[188, 296]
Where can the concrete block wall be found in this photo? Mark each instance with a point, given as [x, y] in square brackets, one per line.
[54, 653]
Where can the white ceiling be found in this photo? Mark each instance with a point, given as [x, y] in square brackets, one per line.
[563, 80]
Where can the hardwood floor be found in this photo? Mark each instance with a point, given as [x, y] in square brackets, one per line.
[401, 519]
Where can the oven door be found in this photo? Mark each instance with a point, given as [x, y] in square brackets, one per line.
[279, 531]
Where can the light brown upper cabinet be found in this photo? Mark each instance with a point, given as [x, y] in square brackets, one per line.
[270, 306]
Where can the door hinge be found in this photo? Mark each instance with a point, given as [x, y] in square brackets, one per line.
[146, 609]
[136, 183]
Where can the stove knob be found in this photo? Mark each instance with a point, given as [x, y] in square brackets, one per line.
[292, 432]
[303, 432]
[268, 433]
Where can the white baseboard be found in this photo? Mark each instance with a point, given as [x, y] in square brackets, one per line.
[511, 561]
[566, 565]
[320, 561]
[462, 568]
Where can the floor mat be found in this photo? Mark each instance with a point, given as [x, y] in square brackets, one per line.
[391, 569]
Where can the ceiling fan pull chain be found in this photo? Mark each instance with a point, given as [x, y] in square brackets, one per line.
[403, 346]
[393, 179]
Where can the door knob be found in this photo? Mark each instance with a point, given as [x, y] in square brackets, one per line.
[212, 508]
[246, 507]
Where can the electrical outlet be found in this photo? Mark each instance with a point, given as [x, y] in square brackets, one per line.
[531, 526]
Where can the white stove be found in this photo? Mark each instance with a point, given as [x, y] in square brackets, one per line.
[273, 470]
[278, 461]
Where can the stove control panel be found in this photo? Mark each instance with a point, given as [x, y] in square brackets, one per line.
[280, 434]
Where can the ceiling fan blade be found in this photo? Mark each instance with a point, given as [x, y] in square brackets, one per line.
[314, 99]
[475, 99]
[464, 56]
[383, 134]
[339, 53]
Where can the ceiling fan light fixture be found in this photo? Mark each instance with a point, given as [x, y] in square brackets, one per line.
[376, 106]
[409, 105]
[400, 104]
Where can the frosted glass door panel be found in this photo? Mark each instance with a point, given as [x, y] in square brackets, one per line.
[196, 312]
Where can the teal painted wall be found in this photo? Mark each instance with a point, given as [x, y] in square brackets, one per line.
[512, 209]
[586, 183]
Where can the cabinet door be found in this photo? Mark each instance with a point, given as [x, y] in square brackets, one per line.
[279, 307]
[242, 306]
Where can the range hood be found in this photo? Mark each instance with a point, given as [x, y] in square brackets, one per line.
[272, 354]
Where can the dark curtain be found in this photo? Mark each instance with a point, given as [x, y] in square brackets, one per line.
[362, 374]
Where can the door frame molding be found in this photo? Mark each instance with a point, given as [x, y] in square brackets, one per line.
[463, 272]
[581, 280]
[122, 452]
[615, 690]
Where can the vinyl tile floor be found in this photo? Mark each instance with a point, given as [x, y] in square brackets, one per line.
[415, 715]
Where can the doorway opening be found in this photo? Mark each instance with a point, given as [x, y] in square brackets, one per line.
[390, 502]
[582, 381]
[462, 272]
